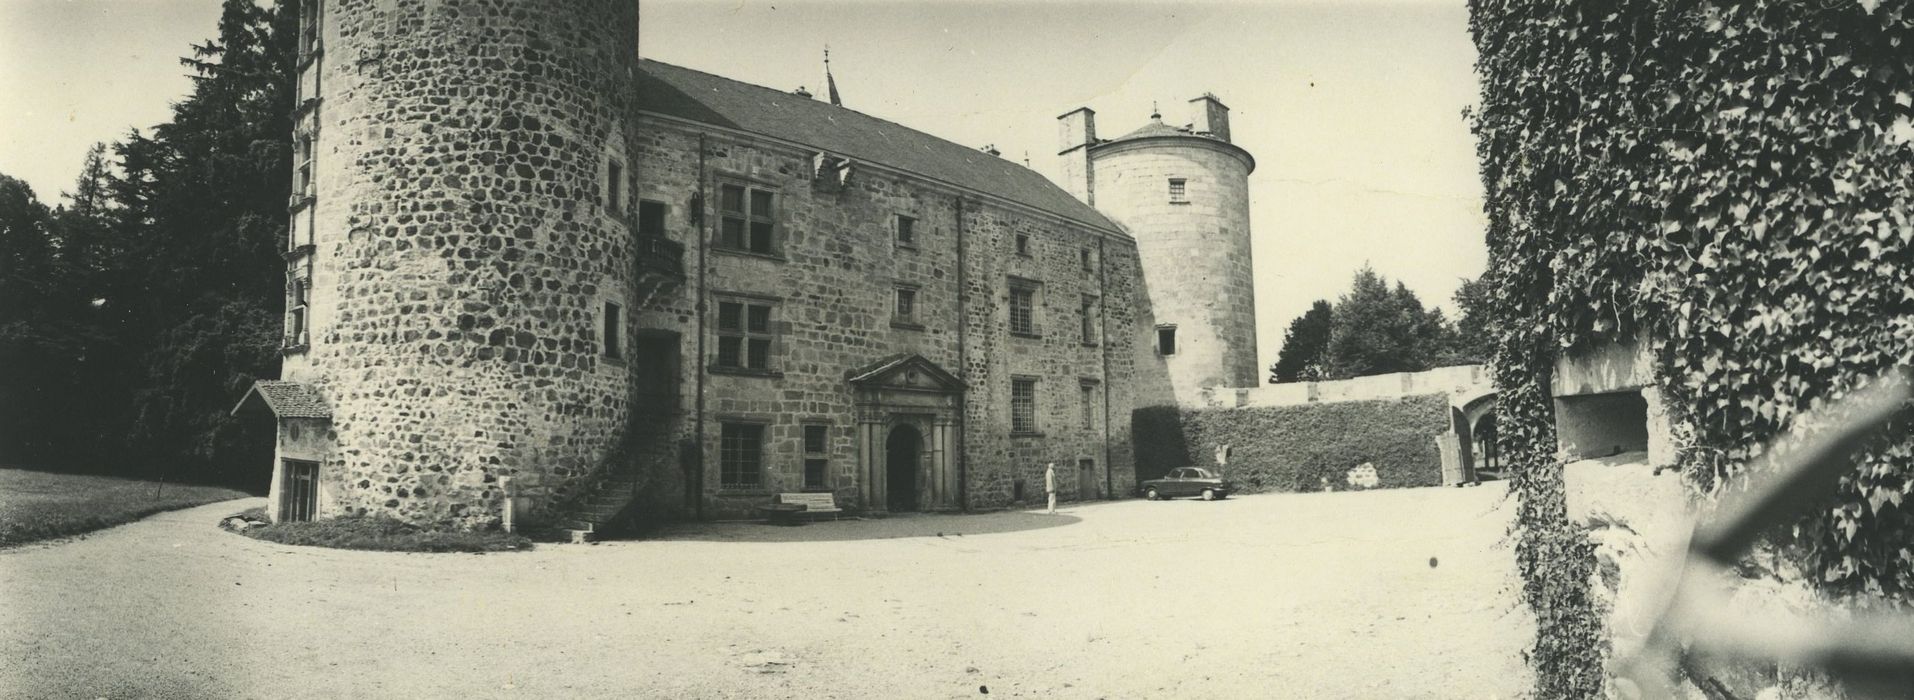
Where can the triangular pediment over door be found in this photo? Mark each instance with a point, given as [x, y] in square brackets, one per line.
[906, 373]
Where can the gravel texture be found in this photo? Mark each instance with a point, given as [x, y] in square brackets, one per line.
[1385, 594]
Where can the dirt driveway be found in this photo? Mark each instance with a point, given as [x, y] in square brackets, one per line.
[1386, 594]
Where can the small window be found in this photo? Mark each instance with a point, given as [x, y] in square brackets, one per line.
[906, 311]
[1089, 397]
[308, 28]
[741, 455]
[1179, 192]
[651, 218]
[303, 183]
[614, 187]
[815, 459]
[744, 335]
[1087, 316]
[1023, 308]
[747, 219]
[614, 330]
[1083, 257]
[1023, 244]
[1166, 340]
[298, 297]
[1023, 405]
[906, 231]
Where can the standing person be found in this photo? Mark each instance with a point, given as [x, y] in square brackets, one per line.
[1050, 486]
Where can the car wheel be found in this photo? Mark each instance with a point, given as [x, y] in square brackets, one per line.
[1151, 495]
[1209, 494]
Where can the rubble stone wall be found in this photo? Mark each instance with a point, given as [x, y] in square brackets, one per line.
[464, 252]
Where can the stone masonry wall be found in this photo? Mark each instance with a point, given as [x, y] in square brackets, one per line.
[832, 280]
[463, 251]
[1195, 255]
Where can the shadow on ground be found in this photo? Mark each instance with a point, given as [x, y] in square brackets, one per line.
[872, 528]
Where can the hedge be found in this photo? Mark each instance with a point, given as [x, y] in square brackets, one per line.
[1295, 448]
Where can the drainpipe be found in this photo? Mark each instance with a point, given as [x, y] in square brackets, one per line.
[963, 366]
[1103, 329]
[697, 501]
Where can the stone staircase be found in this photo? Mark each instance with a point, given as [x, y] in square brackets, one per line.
[597, 512]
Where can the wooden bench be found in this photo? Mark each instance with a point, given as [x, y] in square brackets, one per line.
[814, 503]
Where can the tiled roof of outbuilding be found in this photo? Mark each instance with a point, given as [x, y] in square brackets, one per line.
[702, 97]
[286, 399]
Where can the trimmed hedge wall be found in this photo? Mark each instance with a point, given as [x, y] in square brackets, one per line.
[1293, 448]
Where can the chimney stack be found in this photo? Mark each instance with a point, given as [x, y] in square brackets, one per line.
[1208, 116]
[1077, 132]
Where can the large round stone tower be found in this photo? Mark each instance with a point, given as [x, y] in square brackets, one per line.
[1183, 193]
[461, 259]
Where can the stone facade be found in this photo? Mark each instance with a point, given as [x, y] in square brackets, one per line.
[453, 244]
[518, 251]
[1183, 193]
[831, 282]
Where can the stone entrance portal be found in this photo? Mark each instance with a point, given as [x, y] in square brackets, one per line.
[908, 413]
[901, 466]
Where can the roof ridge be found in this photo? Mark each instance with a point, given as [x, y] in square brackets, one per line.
[826, 105]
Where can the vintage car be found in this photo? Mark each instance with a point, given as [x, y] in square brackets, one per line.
[1187, 481]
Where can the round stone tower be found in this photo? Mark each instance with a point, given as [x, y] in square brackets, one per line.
[461, 259]
[1183, 193]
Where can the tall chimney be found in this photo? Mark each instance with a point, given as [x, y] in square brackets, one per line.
[1077, 132]
[1209, 116]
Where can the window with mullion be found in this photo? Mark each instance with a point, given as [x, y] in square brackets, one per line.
[747, 219]
[745, 335]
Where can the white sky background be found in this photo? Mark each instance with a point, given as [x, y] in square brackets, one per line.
[1352, 109]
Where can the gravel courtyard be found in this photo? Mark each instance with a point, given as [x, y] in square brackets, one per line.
[1387, 594]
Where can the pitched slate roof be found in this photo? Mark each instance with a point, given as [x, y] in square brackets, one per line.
[702, 97]
[286, 399]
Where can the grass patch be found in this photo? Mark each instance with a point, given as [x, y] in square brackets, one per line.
[381, 533]
[44, 505]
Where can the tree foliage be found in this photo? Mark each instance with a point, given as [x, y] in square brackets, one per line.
[1304, 356]
[1372, 329]
[1728, 180]
[158, 290]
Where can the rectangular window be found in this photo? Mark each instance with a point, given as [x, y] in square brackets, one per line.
[744, 335]
[308, 28]
[746, 217]
[1089, 397]
[741, 455]
[302, 184]
[614, 330]
[651, 218]
[1023, 244]
[298, 298]
[1166, 340]
[906, 311]
[906, 231]
[1179, 192]
[1087, 316]
[614, 187]
[1023, 405]
[1023, 308]
[1083, 257]
[815, 459]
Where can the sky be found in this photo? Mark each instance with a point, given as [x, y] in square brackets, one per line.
[1353, 108]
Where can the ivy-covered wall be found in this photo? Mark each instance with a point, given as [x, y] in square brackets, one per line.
[1295, 448]
[1730, 181]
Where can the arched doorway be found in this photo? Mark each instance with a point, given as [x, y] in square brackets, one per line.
[900, 468]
